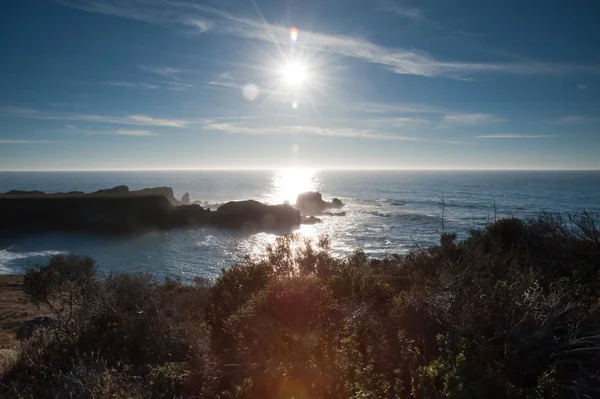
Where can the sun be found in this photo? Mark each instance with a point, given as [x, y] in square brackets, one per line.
[293, 73]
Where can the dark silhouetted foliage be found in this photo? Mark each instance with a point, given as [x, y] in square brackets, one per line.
[512, 311]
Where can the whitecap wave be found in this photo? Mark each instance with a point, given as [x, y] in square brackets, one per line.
[7, 257]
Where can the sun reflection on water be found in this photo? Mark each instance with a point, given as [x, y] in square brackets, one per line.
[286, 184]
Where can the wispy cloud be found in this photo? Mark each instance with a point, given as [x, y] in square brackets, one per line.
[200, 26]
[134, 85]
[154, 12]
[402, 10]
[118, 132]
[125, 132]
[515, 136]
[18, 111]
[177, 86]
[150, 121]
[408, 108]
[169, 72]
[582, 87]
[470, 119]
[573, 119]
[305, 130]
[397, 60]
[175, 82]
[143, 120]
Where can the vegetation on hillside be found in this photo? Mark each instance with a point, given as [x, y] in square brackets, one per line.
[513, 311]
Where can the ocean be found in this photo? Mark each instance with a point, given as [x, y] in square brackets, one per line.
[387, 212]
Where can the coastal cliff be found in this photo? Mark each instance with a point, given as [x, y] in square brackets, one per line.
[119, 210]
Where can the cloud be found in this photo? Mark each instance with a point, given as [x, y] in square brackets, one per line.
[572, 119]
[177, 86]
[150, 121]
[134, 85]
[515, 136]
[200, 25]
[408, 108]
[306, 130]
[143, 120]
[470, 119]
[582, 87]
[18, 111]
[135, 132]
[397, 60]
[412, 13]
[169, 72]
[153, 12]
[119, 132]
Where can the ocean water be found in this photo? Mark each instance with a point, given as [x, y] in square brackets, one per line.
[387, 212]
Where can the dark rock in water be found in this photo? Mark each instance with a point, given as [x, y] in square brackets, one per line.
[167, 192]
[312, 203]
[255, 216]
[119, 210]
[185, 200]
[190, 215]
[310, 220]
[114, 190]
[111, 213]
[29, 326]
[21, 192]
[334, 214]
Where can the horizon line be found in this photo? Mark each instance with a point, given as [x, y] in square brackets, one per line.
[305, 168]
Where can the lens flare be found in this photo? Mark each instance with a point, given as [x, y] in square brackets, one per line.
[250, 92]
[294, 35]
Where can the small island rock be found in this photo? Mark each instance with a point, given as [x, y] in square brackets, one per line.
[312, 203]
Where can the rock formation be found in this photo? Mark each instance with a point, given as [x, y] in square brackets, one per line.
[253, 215]
[119, 210]
[310, 220]
[312, 203]
[185, 200]
[114, 190]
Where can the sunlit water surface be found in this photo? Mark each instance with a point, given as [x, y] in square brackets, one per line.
[387, 212]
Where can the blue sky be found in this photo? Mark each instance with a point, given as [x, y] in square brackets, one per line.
[183, 84]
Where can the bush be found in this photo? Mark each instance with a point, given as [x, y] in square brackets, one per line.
[512, 311]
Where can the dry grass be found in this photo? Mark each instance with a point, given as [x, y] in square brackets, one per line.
[7, 358]
[14, 309]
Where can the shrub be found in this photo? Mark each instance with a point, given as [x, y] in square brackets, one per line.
[512, 311]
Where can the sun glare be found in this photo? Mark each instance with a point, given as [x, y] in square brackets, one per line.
[293, 73]
[288, 183]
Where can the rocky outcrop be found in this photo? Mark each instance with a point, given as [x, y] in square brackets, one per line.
[114, 190]
[253, 215]
[185, 200]
[166, 192]
[189, 215]
[106, 213]
[28, 328]
[116, 211]
[21, 192]
[312, 203]
[310, 220]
